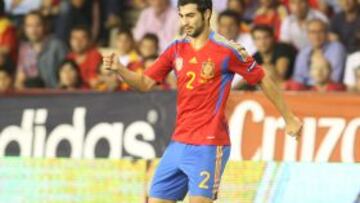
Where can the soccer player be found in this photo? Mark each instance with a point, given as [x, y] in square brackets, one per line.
[204, 63]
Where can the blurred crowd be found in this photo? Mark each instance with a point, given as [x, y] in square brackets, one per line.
[58, 44]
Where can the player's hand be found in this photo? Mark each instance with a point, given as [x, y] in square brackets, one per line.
[111, 63]
[294, 127]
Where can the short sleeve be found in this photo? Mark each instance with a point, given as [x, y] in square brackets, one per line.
[162, 66]
[246, 66]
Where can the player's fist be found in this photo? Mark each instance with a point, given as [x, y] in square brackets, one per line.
[294, 127]
[110, 63]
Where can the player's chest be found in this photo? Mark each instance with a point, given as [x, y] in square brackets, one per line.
[194, 69]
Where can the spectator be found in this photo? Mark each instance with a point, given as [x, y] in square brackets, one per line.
[108, 82]
[6, 74]
[8, 42]
[40, 55]
[86, 56]
[228, 26]
[245, 8]
[69, 75]
[239, 7]
[352, 62]
[334, 52]
[293, 28]
[78, 12]
[125, 46]
[345, 26]
[270, 13]
[149, 45]
[161, 19]
[278, 58]
[320, 71]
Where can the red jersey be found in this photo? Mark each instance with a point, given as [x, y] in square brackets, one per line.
[90, 66]
[204, 80]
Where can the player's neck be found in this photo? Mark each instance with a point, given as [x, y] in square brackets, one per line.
[199, 41]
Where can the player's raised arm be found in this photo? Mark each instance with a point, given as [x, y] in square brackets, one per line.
[138, 81]
[273, 93]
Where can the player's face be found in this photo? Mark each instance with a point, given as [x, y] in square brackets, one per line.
[79, 41]
[263, 41]
[228, 28]
[192, 20]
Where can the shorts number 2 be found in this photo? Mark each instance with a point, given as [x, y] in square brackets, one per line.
[204, 183]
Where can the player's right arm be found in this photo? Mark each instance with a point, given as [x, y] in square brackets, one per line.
[138, 81]
[156, 74]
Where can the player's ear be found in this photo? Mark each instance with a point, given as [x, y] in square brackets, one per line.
[207, 15]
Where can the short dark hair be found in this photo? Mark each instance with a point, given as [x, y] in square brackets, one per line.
[126, 32]
[74, 66]
[202, 5]
[83, 28]
[231, 14]
[263, 28]
[152, 37]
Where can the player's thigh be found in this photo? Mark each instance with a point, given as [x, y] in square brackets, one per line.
[169, 182]
[199, 199]
[156, 200]
[204, 169]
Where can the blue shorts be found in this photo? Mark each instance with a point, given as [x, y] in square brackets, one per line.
[196, 169]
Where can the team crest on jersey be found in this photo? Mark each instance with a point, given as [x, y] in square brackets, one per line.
[208, 70]
[179, 63]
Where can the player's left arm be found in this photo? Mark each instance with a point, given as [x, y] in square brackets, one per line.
[273, 93]
[245, 65]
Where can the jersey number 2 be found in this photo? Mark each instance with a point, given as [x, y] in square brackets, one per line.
[192, 76]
